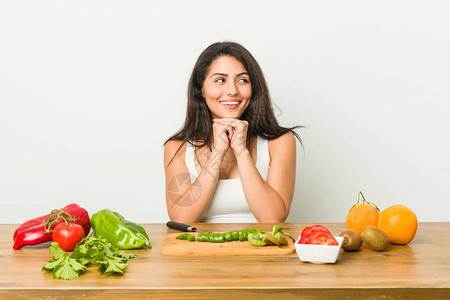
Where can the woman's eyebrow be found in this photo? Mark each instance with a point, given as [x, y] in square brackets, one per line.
[226, 75]
[219, 74]
[242, 73]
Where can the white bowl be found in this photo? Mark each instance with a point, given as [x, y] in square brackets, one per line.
[319, 254]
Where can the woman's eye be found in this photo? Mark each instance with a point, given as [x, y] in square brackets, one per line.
[220, 80]
[243, 80]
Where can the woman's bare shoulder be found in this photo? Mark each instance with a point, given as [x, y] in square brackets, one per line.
[173, 144]
[283, 146]
[171, 148]
[286, 140]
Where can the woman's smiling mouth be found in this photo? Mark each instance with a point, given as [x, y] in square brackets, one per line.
[230, 104]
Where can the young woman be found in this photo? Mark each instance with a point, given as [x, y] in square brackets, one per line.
[231, 161]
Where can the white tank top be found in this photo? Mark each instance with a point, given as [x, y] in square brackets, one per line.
[228, 204]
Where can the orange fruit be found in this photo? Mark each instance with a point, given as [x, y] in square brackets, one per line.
[399, 223]
[361, 215]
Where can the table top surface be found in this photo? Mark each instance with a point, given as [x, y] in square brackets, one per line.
[424, 264]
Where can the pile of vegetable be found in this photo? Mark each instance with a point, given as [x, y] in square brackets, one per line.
[255, 236]
[68, 229]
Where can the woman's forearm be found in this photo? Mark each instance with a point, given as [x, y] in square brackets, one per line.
[200, 192]
[265, 203]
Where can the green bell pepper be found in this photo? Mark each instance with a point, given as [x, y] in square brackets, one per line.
[186, 236]
[120, 232]
[277, 229]
[228, 237]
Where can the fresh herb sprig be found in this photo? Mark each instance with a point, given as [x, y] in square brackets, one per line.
[91, 250]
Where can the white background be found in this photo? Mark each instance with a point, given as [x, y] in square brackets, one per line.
[90, 90]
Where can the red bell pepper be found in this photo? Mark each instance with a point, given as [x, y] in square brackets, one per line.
[35, 231]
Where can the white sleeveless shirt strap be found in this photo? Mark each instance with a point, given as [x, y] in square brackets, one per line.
[190, 161]
[262, 157]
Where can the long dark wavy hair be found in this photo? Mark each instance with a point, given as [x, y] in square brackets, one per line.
[259, 113]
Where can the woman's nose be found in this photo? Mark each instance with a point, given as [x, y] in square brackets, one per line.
[231, 89]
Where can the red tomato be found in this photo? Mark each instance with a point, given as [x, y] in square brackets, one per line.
[306, 233]
[304, 239]
[68, 236]
[321, 237]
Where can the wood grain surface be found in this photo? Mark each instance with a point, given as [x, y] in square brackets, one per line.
[172, 246]
[419, 270]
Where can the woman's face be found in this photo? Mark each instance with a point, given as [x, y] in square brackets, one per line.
[227, 89]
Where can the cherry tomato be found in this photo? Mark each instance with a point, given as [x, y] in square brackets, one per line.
[68, 236]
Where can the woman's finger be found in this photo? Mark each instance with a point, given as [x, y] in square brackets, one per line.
[230, 133]
[221, 127]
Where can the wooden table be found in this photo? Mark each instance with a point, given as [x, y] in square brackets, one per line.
[418, 270]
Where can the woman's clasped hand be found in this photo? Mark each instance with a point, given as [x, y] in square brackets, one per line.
[231, 133]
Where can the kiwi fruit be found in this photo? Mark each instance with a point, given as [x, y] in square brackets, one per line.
[375, 238]
[352, 240]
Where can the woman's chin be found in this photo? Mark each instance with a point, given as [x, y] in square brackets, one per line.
[229, 115]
